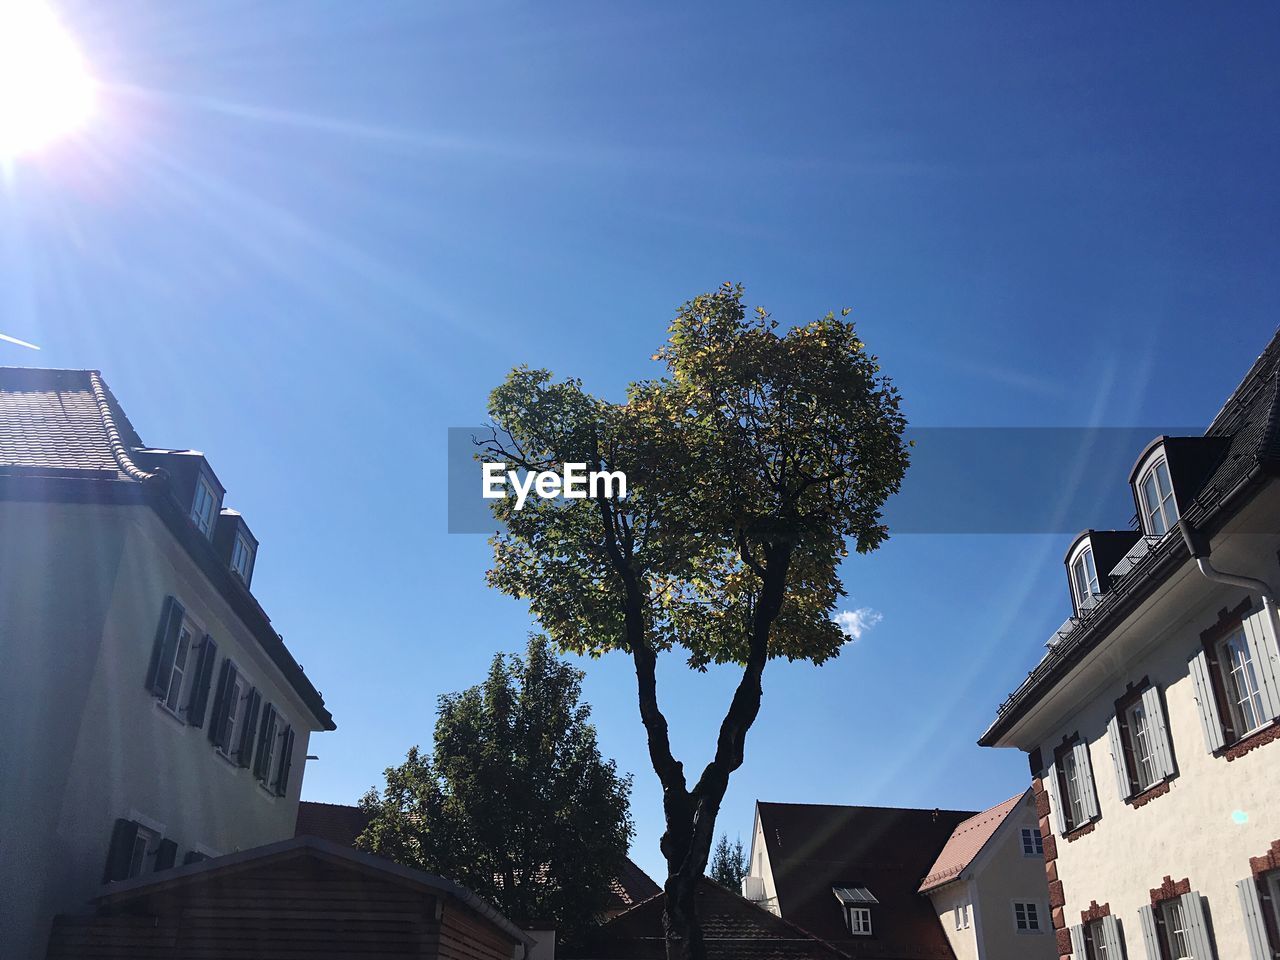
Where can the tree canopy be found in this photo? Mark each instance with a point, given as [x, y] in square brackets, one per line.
[515, 801]
[728, 863]
[751, 464]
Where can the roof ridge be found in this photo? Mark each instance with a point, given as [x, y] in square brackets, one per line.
[1233, 398]
[113, 433]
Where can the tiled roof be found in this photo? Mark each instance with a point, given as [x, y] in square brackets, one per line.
[966, 842]
[815, 847]
[338, 823]
[733, 929]
[1250, 419]
[632, 886]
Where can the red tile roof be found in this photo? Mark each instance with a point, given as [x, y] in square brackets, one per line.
[338, 823]
[966, 842]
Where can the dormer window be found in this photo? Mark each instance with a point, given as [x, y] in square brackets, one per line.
[204, 506]
[1084, 576]
[242, 558]
[856, 903]
[1155, 494]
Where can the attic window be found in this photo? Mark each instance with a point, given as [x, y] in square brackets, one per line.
[1084, 576]
[204, 506]
[1155, 493]
[242, 558]
[856, 902]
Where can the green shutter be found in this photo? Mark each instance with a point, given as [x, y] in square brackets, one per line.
[198, 704]
[166, 644]
[266, 732]
[249, 732]
[120, 853]
[166, 854]
[286, 762]
[218, 725]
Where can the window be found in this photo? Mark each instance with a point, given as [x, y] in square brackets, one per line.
[204, 506]
[1159, 511]
[280, 785]
[1240, 680]
[1075, 801]
[144, 844]
[1173, 927]
[1032, 842]
[1084, 576]
[1095, 941]
[178, 670]
[1026, 917]
[1072, 790]
[859, 921]
[242, 558]
[1268, 887]
[963, 916]
[233, 712]
[267, 734]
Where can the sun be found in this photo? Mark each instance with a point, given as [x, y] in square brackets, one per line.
[46, 91]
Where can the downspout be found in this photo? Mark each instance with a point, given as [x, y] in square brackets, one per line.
[1198, 546]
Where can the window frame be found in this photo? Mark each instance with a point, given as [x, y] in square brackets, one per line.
[1085, 582]
[1128, 709]
[1095, 943]
[242, 549]
[230, 746]
[1148, 513]
[1030, 918]
[1268, 885]
[176, 702]
[862, 914]
[205, 524]
[1235, 642]
[1032, 842]
[1164, 910]
[1064, 754]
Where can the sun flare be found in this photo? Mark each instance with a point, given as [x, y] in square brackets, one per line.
[46, 91]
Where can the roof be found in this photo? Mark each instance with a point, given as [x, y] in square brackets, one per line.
[966, 842]
[292, 883]
[1249, 422]
[733, 929]
[631, 886]
[336, 822]
[64, 436]
[813, 848]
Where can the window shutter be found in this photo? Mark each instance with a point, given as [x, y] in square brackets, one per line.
[166, 854]
[1158, 731]
[1113, 938]
[1197, 927]
[1089, 792]
[286, 762]
[1147, 916]
[266, 731]
[1259, 633]
[198, 704]
[1055, 806]
[165, 646]
[1210, 719]
[1254, 923]
[1117, 757]
[1077, 942]
[221, 709]
[249, 733]
[120, 853]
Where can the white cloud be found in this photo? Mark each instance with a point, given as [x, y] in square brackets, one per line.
[855, 623]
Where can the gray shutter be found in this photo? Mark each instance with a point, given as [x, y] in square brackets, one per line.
[1210, 719]
[1055, 803]
[1077, 942]
[221, 709]
[1117, 757]
[1112, 937]
[249, 732]
[1158, 730]
[1259, 633]
[1254, 923]
[166, 644]
[166, 854]
[286, 762]
[120, 853]
[198, 704]
[266, 731]
[1197, 926]
[1084, 769]
[1147, 916]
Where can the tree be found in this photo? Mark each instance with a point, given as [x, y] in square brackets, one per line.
[728, 863]
[750, 465]
[515, 802]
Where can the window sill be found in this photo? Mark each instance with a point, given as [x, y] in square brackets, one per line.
[1252, 741]
[1149, 794]
[1071, 836]
[172, 715]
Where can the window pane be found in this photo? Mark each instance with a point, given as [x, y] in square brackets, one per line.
[179, 669]
[1241, 682]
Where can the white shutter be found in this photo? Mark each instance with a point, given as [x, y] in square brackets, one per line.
[1112, 937]
[1259, 632]
[1077, 942]
[1158, 731]
[1147, 916]
[1117, 757]
[1084, 770]
[1254, 923]
[1055, 803]
[1197, 927]
[1210, 719]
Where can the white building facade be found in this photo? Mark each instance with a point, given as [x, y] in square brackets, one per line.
[151, 714]
[1149, 724]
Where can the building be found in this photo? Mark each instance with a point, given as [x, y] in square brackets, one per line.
[988, 887]
[881, 882]
[152, 715]
[301, 898]
[1149, 721]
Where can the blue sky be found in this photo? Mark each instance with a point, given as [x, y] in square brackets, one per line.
[306, 238]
